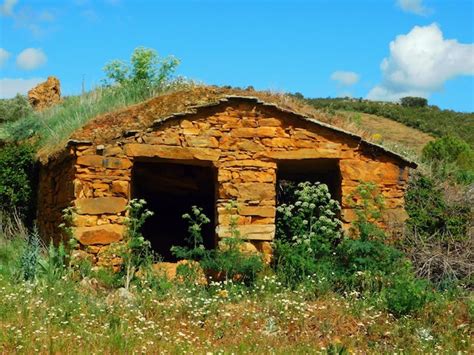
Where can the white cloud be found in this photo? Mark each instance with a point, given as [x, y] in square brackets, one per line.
[31, 58]
[6, 9]
[10, 87]
[420, 62]
[4, 55]
[345, 78]
[414, 6]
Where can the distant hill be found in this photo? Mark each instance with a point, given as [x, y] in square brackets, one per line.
[429, 119]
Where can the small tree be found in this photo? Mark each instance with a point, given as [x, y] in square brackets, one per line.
[145, 68]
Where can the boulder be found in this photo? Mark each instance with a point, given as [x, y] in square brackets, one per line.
[46, 94]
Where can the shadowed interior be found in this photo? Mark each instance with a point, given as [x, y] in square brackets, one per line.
[325, 171]
[171, 189]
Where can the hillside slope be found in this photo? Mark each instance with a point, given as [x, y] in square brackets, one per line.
[428, 119]
[388, 131]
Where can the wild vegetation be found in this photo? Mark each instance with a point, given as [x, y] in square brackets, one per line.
[426, 118]
[146, 76]
[357, 294]
[325, 290]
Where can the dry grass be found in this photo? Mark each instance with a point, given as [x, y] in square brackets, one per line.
[380, 129]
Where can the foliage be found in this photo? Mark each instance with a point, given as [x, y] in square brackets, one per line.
[223, 316]
[51, 128]
[307, 230]
[367, 262]
[195, 249]
[14, 109]
[16, 175]
[368, 205]
[450, 156]
[429, 211]
[411, 101]
[227, 261]
[55, 264]
[311, 219]
[30, 257]
[137, 250]
[145, 69]
[437, 238]
[407, 295]
[429, 119]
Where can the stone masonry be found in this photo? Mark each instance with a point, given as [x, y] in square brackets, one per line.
[242, 138]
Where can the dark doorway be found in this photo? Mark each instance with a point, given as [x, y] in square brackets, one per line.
[292, 172]
[171, 189]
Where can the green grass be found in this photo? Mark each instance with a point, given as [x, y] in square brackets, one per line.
[77, 314]
[428, 119]
[50, 129]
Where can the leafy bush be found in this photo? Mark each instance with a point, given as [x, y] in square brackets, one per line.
[429, 211]
[407, 295]
[367, 262]
[450, 157]
[411, 101]
[16, 176]
[368, 205]
[307, 230]
[14, 109]
[310, 219]
[145, 69]
[228, 261]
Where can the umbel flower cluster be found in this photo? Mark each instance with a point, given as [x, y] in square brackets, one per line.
[310, 219]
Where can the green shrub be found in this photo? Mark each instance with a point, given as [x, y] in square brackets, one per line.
[16, 177]
[14, 109]
[411, 101]
[430, 213]
[450, 157]
[307, 231]
[407, 295]
[310, 219]
[145, 70]
[368, 205]
[367, 263]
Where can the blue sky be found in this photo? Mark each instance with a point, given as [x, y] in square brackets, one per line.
[380, 49]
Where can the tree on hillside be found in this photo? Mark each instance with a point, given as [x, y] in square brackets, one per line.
[412, 101]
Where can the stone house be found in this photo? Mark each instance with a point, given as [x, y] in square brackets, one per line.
[224, 148]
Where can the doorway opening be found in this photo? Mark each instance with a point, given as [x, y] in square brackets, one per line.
[170, 190]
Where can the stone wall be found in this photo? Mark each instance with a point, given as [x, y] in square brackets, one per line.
[55, 193]
[244, 142]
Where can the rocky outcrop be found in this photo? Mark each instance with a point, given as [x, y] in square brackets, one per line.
[46, 94]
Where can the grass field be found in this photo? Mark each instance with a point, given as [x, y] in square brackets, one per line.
[68, 317]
